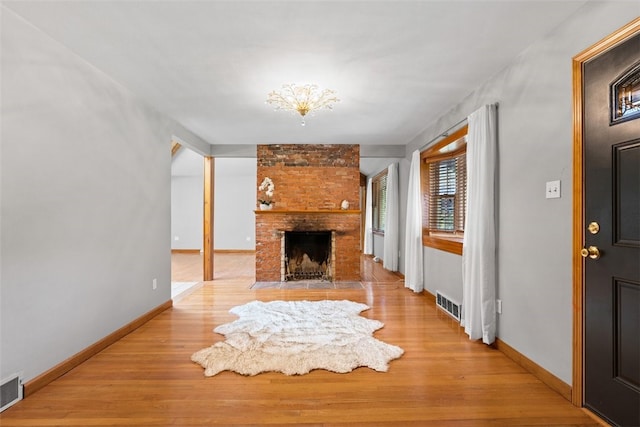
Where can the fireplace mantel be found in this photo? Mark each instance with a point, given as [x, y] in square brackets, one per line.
[319, 211]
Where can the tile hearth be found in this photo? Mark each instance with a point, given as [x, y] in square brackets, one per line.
[308, 284]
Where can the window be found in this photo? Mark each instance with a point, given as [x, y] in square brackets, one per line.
[444, 192]
[447, 186]
[379, 201]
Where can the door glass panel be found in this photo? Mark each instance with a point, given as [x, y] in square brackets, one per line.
[625, 96]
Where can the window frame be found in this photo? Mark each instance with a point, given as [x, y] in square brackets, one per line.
[376, 196]
[442, 240]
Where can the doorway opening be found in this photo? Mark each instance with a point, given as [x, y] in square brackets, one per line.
[187, 178]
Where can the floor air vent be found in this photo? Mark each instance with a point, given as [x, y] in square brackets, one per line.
[10, 391]
[452, 308]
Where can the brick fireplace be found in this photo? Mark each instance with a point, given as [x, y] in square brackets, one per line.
[307, 255]
[310, 181]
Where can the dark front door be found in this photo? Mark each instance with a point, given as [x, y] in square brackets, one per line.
[612, 238]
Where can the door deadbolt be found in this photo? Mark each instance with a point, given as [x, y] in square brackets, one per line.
[593, 227]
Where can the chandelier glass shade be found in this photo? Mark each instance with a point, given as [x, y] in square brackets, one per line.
[302, 99]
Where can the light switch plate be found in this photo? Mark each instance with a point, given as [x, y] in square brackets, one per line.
[553, 190]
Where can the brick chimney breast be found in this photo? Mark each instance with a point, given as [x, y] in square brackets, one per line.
[310, 182]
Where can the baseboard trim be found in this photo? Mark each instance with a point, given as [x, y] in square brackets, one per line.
[431, 297]
[62, 368]
[555, 383]
[185, 251]
[398, 274]
[595, 417]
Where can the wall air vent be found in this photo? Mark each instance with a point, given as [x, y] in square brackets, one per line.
[10, 391]
[451, 307]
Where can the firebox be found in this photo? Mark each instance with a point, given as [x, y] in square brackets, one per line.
[307, 255]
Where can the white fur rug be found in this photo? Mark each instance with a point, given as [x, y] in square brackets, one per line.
[295, 337]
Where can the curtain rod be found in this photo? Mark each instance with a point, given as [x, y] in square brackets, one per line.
[443, 134]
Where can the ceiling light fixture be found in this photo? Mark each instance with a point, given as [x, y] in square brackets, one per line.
[302, 99]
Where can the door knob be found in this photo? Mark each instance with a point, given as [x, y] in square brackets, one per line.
[592, 252]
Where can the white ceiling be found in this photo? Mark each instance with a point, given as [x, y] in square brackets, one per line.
[397, 66]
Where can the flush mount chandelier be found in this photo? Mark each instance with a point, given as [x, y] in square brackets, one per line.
[303, 99]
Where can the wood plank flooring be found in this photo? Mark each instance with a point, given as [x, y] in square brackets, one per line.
[443, 379]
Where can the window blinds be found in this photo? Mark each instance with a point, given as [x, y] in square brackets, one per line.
[380, 202]
[447, 194]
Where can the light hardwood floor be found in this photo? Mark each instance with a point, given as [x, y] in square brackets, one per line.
[443, 379]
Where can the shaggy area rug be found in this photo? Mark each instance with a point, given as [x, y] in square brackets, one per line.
[295, 337]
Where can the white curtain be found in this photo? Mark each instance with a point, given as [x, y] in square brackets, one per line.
[413, 278]
[390, 260]
[479, 247]
[368, 221]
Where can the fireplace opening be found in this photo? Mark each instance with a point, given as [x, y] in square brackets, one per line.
[308, 255]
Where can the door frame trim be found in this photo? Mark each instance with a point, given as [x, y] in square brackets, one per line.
[629, 30]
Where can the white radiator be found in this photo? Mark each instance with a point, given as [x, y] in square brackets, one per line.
[10, 391]
[451, 307]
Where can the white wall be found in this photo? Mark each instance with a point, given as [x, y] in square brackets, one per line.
[535, 146]
[443, 272]
[187, 195]
[186, 212]
[85, 203]
[235, 203]
[378, 246]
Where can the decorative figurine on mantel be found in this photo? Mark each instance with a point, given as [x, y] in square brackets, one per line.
[344, 205]
[268, 187]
